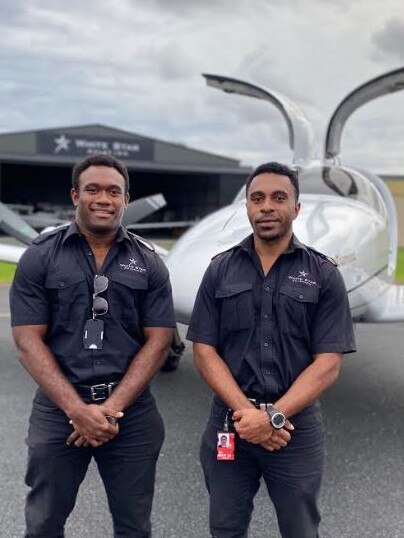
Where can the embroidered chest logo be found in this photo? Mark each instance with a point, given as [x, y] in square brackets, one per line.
[132, 266]
[303, 278]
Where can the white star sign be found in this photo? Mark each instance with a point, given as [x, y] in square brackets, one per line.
[132, 261]
[303, 273]
[62, 143]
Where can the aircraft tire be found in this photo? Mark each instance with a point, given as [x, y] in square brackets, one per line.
[173, 359]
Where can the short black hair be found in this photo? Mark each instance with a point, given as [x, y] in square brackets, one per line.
[275, 168]
[99, 159]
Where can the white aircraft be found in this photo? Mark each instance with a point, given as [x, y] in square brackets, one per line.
[346, 213]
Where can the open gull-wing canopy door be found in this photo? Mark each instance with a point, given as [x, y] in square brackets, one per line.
[301, 137]
[388, 83]
[390, 304]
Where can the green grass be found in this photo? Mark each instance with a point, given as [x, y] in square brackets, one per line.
[7, 269]
[400, 266]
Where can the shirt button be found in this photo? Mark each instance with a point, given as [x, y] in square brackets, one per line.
[90, 253]
[62, 284]
[267, 372]
[267, 288]
[301, 296]
[266, 316]
[266, 344]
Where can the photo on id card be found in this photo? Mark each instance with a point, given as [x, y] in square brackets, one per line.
[225, 446]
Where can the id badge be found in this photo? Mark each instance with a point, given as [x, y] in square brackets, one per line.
[93, 335]
[225, 446]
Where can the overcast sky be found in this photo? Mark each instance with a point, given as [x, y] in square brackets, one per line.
[136, 64]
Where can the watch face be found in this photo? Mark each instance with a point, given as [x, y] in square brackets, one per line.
[278, 420]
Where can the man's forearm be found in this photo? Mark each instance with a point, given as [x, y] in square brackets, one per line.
[310, 384]
[142, 369]
[251, 424]
[218, 376]
[40, 363]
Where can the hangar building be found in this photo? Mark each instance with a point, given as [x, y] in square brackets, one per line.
[35, 169]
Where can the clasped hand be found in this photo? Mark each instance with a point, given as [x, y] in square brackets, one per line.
[91, 427]
[253, 425]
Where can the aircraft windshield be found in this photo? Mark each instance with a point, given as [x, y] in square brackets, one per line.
[340, 182]
[337, 182]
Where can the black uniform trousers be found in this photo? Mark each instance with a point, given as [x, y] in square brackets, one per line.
[126, 465]
[292, 476]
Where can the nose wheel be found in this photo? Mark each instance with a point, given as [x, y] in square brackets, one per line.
[175, 353]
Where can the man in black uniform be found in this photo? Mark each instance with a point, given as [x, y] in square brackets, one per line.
[270, 324]
[92, 317]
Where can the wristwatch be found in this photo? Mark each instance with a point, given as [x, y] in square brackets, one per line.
[277, 418]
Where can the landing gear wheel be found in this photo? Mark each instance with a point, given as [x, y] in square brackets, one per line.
[173, 359]
[175, 354]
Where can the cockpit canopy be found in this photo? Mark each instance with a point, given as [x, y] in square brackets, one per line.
[338, 181]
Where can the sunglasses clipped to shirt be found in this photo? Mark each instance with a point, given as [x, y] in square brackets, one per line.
[100, 305]
[93, 334]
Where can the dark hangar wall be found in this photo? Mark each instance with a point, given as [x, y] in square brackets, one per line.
[35, 168]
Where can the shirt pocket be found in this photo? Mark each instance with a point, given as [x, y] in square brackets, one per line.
[293, 309]
[237, 309]
[68, 292]
[127, 291]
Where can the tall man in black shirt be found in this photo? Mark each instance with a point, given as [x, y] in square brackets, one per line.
[92, 317]
[270, 324]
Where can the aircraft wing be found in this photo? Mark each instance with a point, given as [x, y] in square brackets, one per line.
[13, 224]
[11, 253]
[42, 220]
[142, 207]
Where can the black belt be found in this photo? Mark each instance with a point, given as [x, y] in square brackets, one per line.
[96, 393]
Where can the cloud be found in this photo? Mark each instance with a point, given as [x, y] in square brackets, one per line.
[136, 65]
[390, 40]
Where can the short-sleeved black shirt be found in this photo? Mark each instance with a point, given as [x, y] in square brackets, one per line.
[268, 328]
[54, 283]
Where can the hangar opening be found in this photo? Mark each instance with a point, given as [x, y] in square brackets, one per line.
[35, 170]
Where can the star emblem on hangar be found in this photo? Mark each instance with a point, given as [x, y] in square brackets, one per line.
[62, 143]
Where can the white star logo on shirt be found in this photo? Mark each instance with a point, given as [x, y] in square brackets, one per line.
[303, 273]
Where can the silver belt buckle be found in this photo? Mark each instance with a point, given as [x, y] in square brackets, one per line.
[95, 388]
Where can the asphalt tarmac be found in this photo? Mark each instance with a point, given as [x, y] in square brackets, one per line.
[363, 488]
